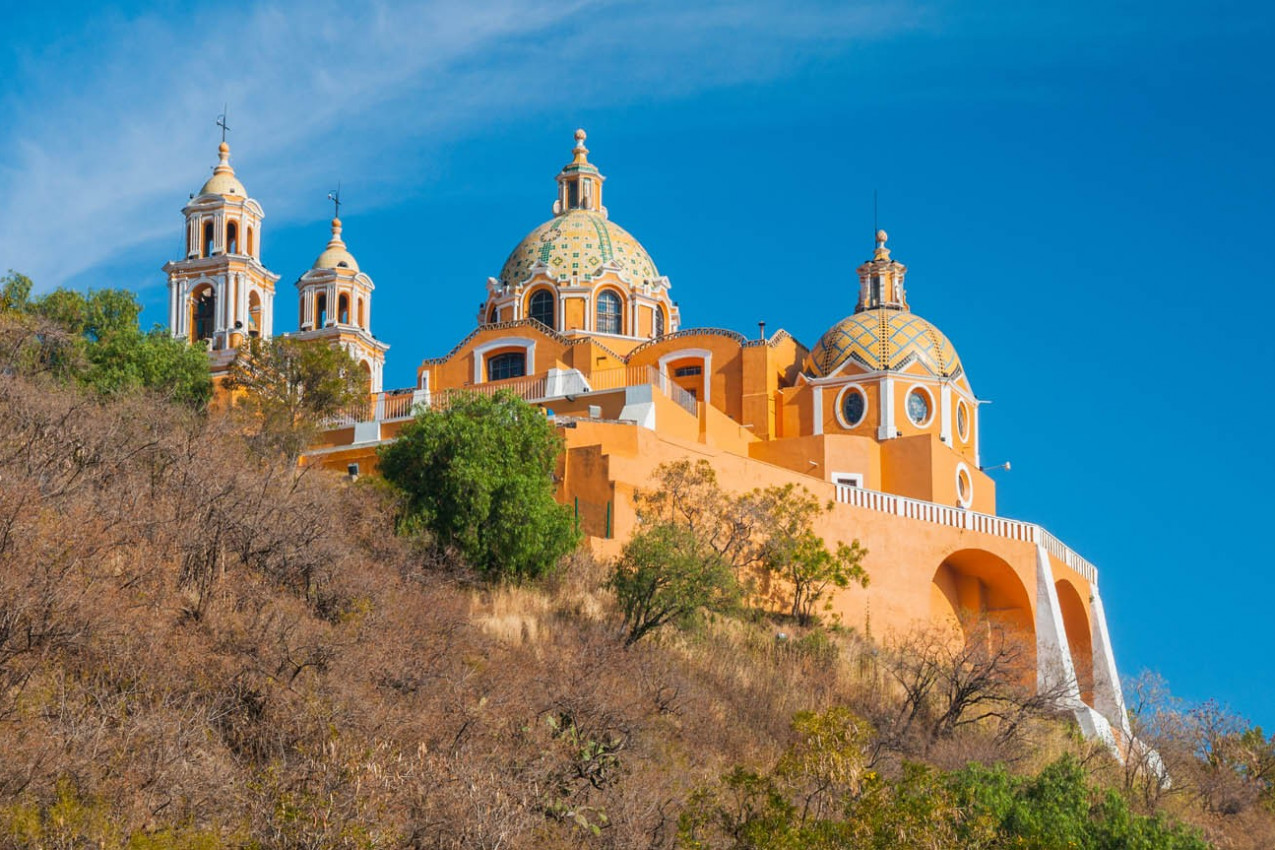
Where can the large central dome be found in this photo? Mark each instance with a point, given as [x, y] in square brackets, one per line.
[579, 242]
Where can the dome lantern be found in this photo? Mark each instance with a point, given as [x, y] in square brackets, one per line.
[579, 182]
[881, 280]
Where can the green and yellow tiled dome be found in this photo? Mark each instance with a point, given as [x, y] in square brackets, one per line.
[881, 340]
[579, 242]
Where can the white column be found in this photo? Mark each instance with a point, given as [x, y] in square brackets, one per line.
[818, 408]
[945, 412]
[220, 289]
[978, 436]
[886, 429]
[172, 307]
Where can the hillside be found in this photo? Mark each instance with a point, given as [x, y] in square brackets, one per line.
[203, 645]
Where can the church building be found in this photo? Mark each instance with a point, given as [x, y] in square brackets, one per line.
[878, 417]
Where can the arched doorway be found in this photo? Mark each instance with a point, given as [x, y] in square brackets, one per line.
[1079, 638]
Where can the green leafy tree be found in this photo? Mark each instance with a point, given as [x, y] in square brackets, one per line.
[15, 292]
[98, 342]
[479, 477]
[291, 386]
[764, 534]
[665, 574]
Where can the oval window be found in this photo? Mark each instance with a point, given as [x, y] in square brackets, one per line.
[853, 406]
[918, 407]
[962, 422]
[964, 487]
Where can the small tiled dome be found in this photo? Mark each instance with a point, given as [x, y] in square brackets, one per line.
[336, 255]
[579, 242]
[884, 340]
[223, 180]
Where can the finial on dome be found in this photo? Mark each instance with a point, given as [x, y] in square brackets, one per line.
[882, 252]
[223, 160]
[580, 151]
[336, 230]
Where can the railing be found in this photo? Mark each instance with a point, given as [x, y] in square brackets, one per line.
[1010, 529]
[401, 404]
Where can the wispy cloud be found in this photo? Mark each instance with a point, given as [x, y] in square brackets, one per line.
[107, 125]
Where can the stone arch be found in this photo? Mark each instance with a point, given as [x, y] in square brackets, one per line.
[974, 588]
[1075, 619]
[366, 369]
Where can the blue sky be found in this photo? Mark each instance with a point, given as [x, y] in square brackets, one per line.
[1082, 192]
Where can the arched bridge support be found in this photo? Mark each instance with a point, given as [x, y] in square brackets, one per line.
[1057, 673]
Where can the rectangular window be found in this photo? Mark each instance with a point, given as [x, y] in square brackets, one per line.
[688, 371]
[510, 365]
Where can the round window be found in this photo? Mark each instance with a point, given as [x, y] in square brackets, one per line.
[918, 407]
[962, 421]
[853, 406]
[964, 486]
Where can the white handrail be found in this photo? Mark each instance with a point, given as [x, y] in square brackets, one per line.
[1010, 529]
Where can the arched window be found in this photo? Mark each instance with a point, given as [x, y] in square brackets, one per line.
[512, 364]
[659, 321]
[343, 309]
[248, 243]
[205, 314]
[361, 323]
[254, 314]
[608, 313]
[208, 239]
[232, 238]
[491, 316]
[321, 311]
[541, 308]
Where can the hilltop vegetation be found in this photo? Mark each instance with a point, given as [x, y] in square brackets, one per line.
[205, 645]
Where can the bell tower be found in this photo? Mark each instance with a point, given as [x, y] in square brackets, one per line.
[219, 293]
[334, 301]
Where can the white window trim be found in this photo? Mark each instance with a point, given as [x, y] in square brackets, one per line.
[857, 477]
[969, 496]
[841, 419]
[480, 354]
[688, 354]
[933, 406]
[964, 436]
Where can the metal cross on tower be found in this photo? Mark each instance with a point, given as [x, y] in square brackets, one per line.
[221, 122]
[335, 198]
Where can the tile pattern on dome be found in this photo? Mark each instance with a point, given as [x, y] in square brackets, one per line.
[578, 242]
[885, 340]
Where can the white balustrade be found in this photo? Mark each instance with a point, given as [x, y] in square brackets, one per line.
[1010, 529]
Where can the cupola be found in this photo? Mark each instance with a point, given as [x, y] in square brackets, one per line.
[579, 183]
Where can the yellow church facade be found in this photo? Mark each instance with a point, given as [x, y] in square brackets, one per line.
[879, 416]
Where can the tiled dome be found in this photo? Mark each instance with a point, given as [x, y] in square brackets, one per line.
[881, 340]
[579, 242]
